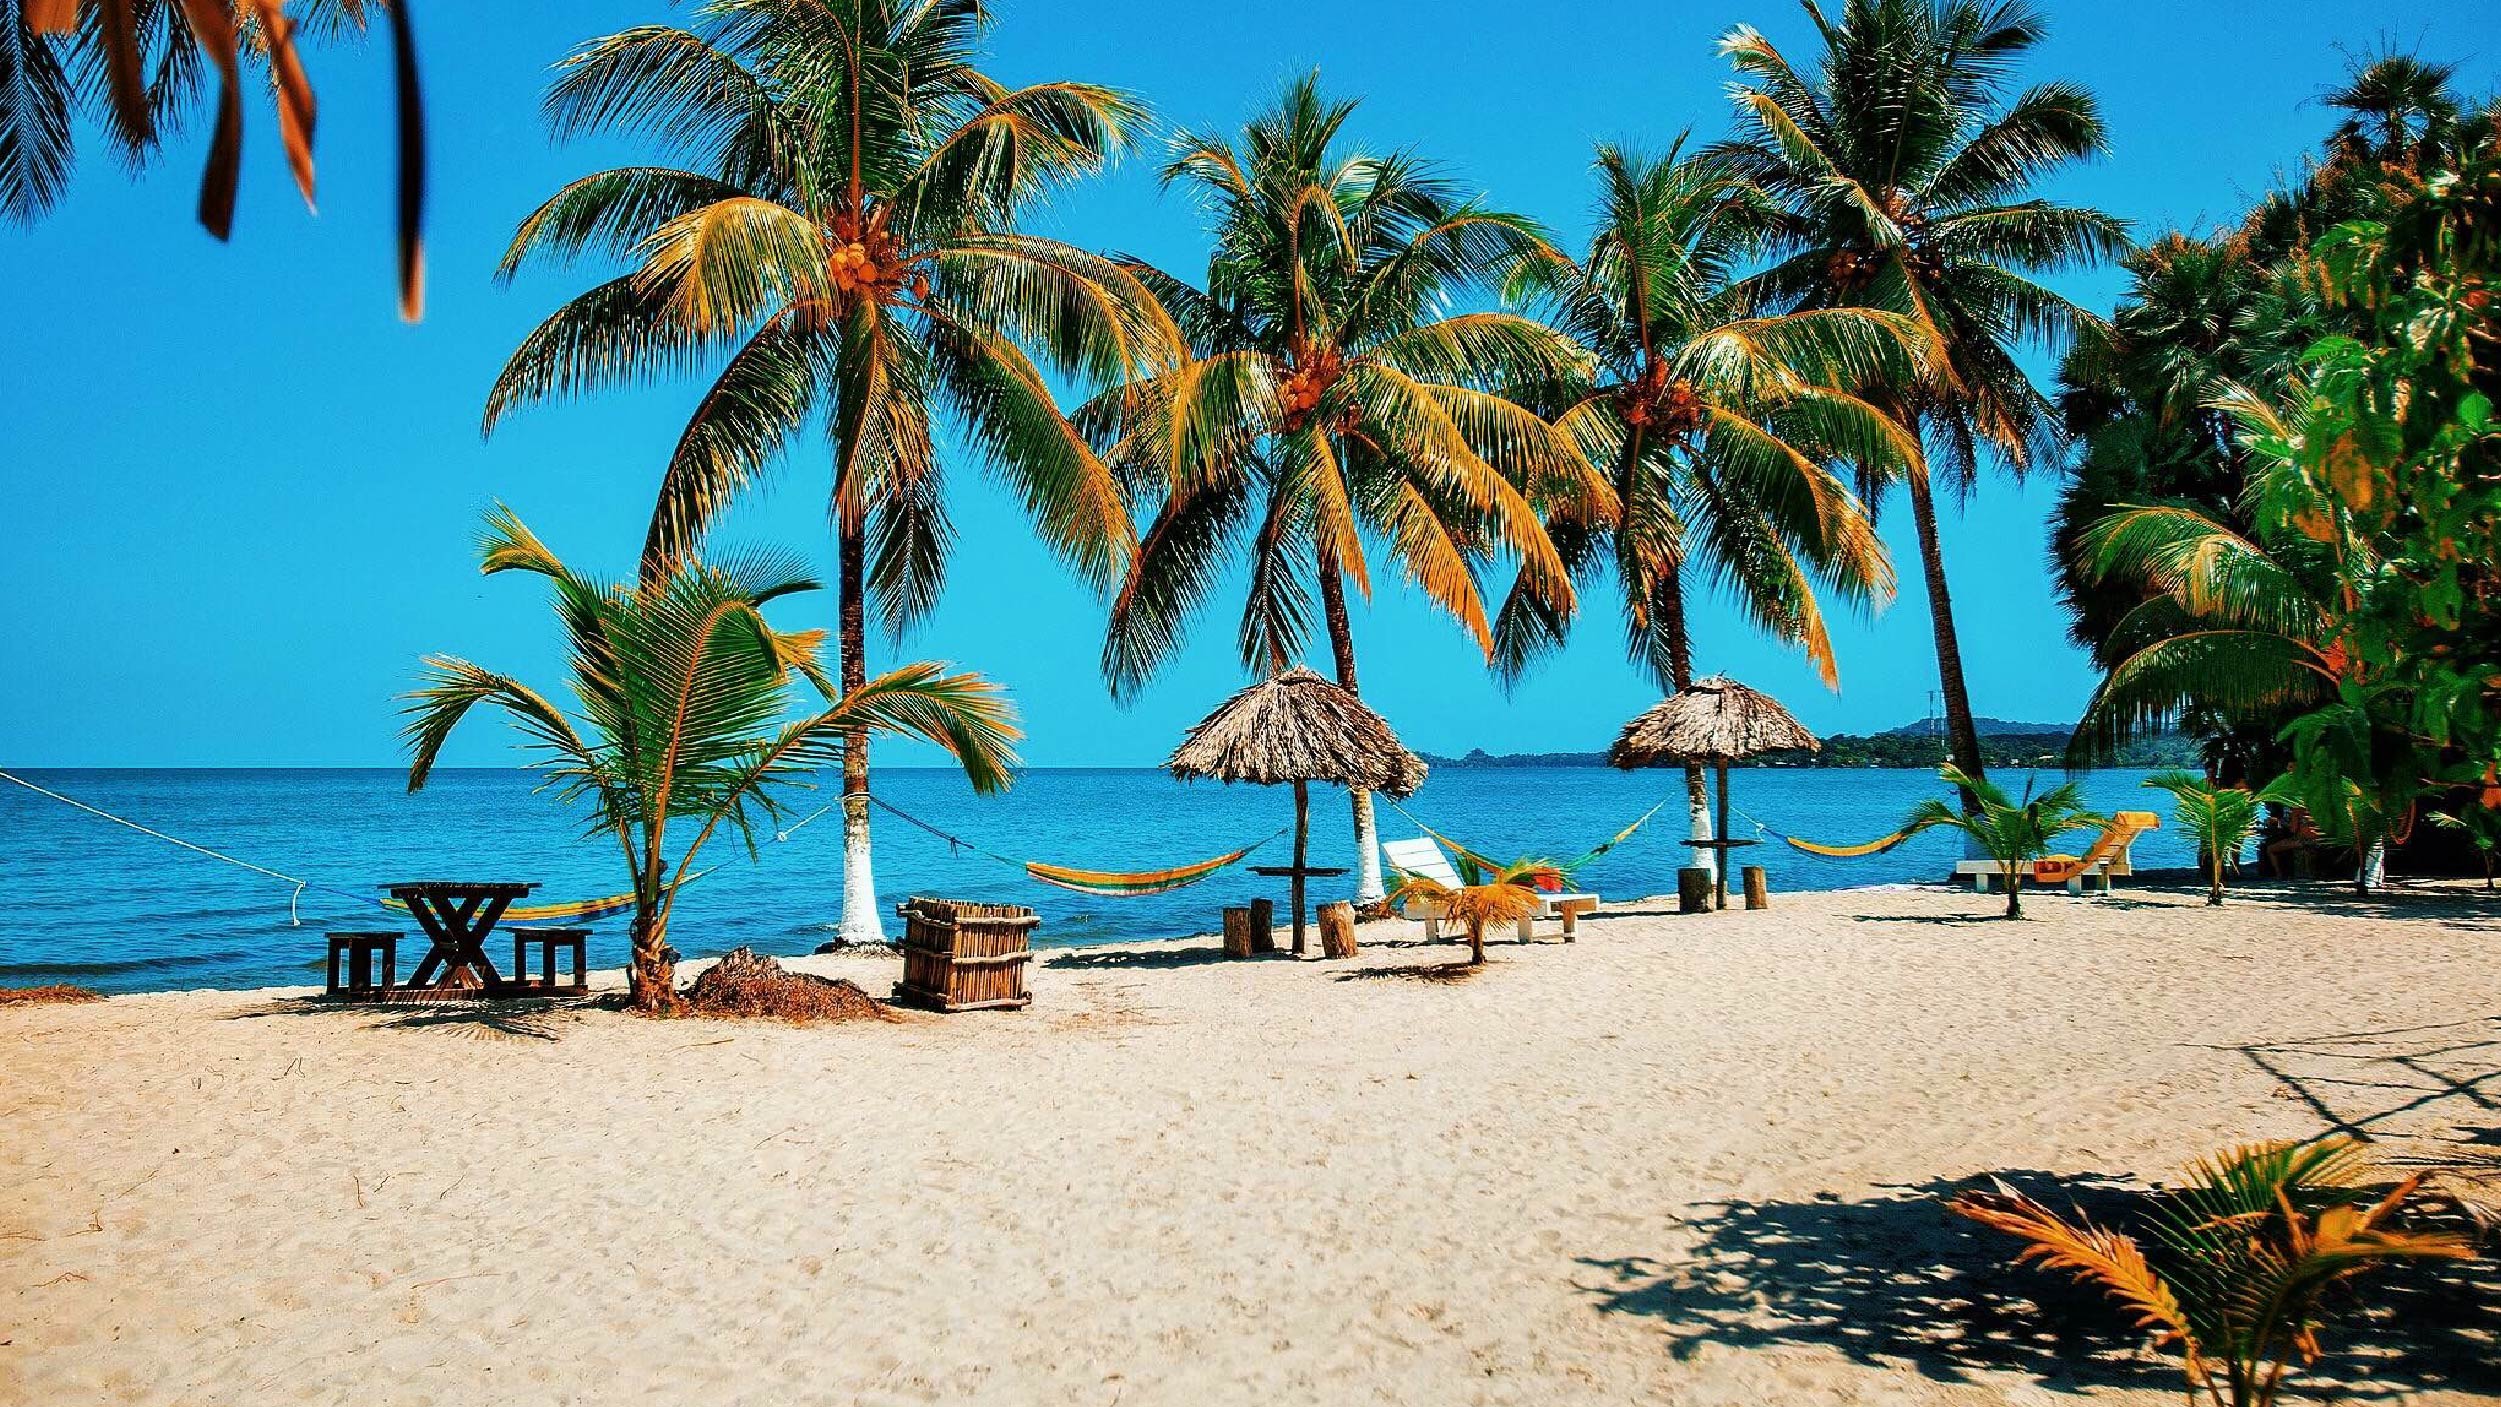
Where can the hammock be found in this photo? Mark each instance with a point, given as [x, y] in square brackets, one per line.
[1108, 884]
[1114, 885]
[579, 911]
[1568, 867]
[1845, 852]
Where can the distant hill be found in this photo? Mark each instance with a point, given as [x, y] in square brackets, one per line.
[1920, 744]
[1989, 728]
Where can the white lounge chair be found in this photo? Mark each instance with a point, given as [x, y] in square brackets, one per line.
[2110, 855]
[1424, 859]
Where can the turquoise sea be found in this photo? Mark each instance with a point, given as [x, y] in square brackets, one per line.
[85, 901]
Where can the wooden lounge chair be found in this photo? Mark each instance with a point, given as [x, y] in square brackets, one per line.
[1423, 859]
[2108, 856]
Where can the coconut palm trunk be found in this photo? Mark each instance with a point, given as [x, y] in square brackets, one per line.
[1668, 608]
[861, 922]
[1370, 889]
[1962, 735]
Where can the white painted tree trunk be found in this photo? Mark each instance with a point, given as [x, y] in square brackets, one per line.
[2375, 867]
[862, 918]
[1369, 886]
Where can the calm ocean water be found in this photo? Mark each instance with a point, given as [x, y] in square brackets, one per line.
[85, 901]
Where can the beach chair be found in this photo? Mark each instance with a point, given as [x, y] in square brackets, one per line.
[2108, 857]
[1423, 859]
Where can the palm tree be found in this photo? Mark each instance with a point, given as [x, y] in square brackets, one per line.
[2250, 629]
[1504, 896]
[2397, 108]
[1705, 425]
[1330, 396]
[2222, 818]
[1903, 169]
[2010, 832]
[2240, 1263]
[136, 66]
[844, 239]
[685, 694]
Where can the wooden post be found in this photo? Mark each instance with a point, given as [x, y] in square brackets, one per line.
[1238, 932]
[1302, 845]
[1758, 889]
[1337, 930]
[1693, 889]
[1263, 925]
[1723, 836]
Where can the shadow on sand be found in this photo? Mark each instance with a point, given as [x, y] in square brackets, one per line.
[1896, 1280]
[526, 1018]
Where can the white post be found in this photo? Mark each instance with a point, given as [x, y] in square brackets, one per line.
[2375, 866]
[1370, 889]
[862, 921]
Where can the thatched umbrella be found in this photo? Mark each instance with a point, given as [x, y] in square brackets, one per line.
[1712, 723]
[1297, 728]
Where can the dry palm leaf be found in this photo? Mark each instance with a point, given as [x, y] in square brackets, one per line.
[222, 29]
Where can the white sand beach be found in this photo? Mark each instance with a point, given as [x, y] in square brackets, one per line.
[1681, 1160]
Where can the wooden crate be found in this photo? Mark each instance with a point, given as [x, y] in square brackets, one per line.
[960, 956]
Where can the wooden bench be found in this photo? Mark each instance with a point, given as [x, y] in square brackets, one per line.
[357, 952]
[548, 942]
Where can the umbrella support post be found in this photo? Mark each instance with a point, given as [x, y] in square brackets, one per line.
[1721, 889]
[1302, 838]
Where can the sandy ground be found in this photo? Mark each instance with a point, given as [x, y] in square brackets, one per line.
[1682, 1160]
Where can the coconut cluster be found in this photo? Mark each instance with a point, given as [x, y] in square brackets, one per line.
[1310, 372]
[1655, 402]
[865, 260]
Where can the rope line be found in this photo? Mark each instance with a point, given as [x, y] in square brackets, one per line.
[294, 915]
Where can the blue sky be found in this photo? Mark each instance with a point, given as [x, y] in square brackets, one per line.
[242, 496]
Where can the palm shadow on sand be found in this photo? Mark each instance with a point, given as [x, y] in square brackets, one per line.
[1897, 1281]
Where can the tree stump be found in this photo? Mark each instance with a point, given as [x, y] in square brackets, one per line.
[1693, 889]
[1758, 888]
[1239, 935]
[1337, 930]
[1263, 925]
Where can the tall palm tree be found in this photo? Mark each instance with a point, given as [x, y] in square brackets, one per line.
[1331, 398]
[1903, 167]
[685, 693]
[1705, 425]
[844, 241]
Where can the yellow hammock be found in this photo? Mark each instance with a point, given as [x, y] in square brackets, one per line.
[1117, 885]
[1849, 852]
[577, 911]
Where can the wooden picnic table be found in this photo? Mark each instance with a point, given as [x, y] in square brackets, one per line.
[1298, 873]
[457, 915]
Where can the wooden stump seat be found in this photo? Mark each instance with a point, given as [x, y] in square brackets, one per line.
[359, 951]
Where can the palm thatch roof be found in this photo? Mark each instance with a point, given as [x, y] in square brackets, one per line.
[1297, 727]
[1713, 720]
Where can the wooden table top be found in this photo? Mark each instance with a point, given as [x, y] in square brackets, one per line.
[1307, 871]
[463, 888]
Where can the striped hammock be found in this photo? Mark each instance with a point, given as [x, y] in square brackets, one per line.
[578, 911]
[1849, 852]
[1116, 885]
[1569, 867]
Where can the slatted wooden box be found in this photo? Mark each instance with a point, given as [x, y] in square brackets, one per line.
[960, 956]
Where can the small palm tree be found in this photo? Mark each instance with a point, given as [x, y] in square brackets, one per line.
[2222, 818]
[1489, 896]
[685, 694]
[2481, 825]
[2012, 833]
[2239, 1261]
